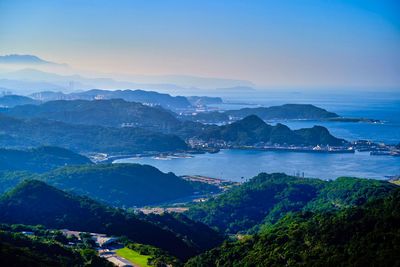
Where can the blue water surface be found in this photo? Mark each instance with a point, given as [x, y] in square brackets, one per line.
[239, 165]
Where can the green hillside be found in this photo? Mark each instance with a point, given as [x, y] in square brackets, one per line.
[83, 138]
[111, 113]
[268, 197]
[10, 101]
[33, 202]
[286, 112]
[366, 235]
[42, 250]
[39, 159]
[124, 184]
[141, 96]
[252, 130]
[283, 112]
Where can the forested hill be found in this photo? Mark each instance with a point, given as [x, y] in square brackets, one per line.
[204, 100]
[268, 197]
[283, 112]
[17, 249]
[366, 235]
[33, 202]
[286, 112]
[148, 97]
[124, 184]
[39, 159]
[252, 130]
[117, 113]
[9, 101]
[113, 113]
[22, 133]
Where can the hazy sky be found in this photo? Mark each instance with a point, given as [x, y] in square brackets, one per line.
[285, 43]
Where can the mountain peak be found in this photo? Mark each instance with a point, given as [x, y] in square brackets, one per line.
[24, 59]
[33, 189]
[251, 121]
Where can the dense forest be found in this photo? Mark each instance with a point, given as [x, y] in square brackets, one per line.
[272, 220]
[151, 128]
[364, 235]
[34, 202]
[123, 185]
[111, 113]
[283, 112]
[10, 101]
[45, 249]
[268, 197]
[252, 130]
[287, 112]
[142, 96]
[22, 133]
[39, 159]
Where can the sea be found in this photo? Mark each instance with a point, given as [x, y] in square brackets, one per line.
[241, 165]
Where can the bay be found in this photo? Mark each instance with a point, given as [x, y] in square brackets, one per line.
[239, 165]
[380, 105]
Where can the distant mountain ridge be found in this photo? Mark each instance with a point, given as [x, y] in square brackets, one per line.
[39, 159]
[286, 111]
[104, 119]
[23, 59]
[20, 133]
[204, 100]
[148, 97]
[37, 76]
[175, 103]
[10, 101]
[282, 112]
[113, 113]
[81, 114]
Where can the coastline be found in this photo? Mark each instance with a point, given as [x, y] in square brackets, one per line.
[357, 146]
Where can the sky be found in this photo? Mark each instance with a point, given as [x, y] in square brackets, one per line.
[271, 43]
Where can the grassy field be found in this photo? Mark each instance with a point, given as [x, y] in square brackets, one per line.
[133, 256]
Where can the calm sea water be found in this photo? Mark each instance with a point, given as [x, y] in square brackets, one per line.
[235, 164]
[238, 165]
[384, 106]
